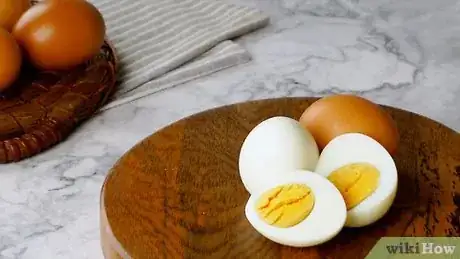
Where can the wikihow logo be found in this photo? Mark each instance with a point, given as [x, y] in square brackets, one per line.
[414, 247]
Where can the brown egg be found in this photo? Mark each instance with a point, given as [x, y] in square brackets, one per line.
[10, 60]
[335, 115]
[10, 11]
[60, 34]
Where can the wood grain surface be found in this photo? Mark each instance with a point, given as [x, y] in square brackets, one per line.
[177, 194]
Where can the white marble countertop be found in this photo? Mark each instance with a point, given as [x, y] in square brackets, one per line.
[399, 53]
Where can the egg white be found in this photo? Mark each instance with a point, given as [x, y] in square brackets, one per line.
[323, 223]
[274, 148]
[356, 147]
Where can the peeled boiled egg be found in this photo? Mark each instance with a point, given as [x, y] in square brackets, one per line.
[335, 115]
[10, 60]
[274, 148]
[302, 209]
[10, 11]
[60, 34]
[364, 173]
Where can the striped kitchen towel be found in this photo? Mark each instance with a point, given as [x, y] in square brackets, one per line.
[162, 43]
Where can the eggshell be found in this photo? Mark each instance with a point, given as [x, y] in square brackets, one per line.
[273, 149]
[60, 34]
[10, 60]
[335, 115]
[10, 11]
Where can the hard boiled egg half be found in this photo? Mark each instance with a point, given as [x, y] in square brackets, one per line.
[365, 174]
[273, 149]
[302, 209]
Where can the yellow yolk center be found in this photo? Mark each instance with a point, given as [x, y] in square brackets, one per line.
[286, 205]
[355, 182]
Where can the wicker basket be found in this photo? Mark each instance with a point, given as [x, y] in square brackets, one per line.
[44, 107]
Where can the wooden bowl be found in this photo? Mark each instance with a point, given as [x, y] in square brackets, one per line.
[177, 194]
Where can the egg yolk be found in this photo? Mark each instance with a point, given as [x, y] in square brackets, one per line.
[355, 182]
[286, 205]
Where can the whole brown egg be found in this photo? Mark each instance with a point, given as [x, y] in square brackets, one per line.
[10, 11]
[10, 60]
[335, 115]
[60, 34]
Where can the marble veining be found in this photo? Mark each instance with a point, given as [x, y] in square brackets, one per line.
[400, 53]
